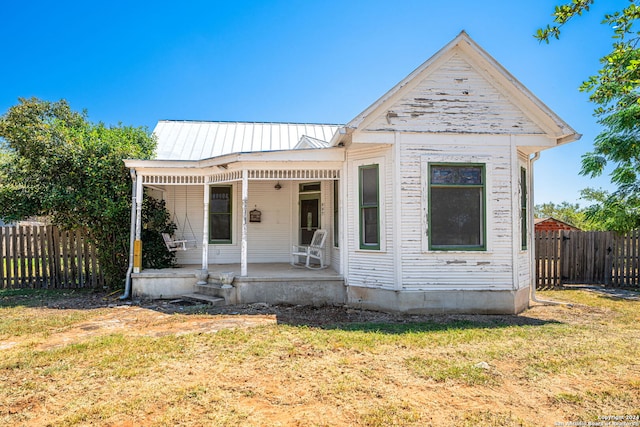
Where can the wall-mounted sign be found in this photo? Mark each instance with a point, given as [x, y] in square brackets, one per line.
[255, 215]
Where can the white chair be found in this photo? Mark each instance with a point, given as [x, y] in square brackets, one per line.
[315, 250]
[174, 245]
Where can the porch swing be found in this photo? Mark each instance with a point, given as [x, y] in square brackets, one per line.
[182, 243]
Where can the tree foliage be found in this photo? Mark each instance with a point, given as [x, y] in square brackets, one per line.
[605, 212]
[156, 220]
[57, 163]
[571, 213]
[615, 92]
[611, 211]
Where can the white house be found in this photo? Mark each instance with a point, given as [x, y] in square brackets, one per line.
[425, 196]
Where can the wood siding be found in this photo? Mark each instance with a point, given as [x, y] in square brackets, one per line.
[419, 267]
[370, 268]
[422, 269]
[455, 98]
[268, 241]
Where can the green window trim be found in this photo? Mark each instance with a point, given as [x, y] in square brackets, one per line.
[221, 214]
[369, 206]
[523, 207]
[449, 185]
[336, 214]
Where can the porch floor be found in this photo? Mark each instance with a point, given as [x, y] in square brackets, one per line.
[255, 272]
[275, 283]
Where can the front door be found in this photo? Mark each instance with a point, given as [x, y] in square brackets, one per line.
[309, 211]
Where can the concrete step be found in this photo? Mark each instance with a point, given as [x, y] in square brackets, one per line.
[209, 289]
[208, 299]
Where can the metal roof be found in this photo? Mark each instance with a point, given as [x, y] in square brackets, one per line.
[196, 140]
[309, 142]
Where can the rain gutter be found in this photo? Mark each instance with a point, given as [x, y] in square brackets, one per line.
[532, 251]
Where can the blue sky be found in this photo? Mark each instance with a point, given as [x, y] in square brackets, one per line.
[290, 61]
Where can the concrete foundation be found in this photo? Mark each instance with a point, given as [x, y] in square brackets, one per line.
[440, 301]
[277, 291]
[162, 284]
[283, 285]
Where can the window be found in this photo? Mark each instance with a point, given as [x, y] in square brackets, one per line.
[220, 215]
[369, 207]
[523, 207]
[456, 206]
[310, 187]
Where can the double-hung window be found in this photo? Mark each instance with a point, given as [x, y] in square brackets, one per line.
[369, 207]
[457, 206]
[523, 207]
[220, 214]
[336, 214]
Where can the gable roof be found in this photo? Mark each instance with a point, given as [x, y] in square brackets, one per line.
[309, 142]
[552, 223]
[197, 140]
[521, 113]
[495, 103]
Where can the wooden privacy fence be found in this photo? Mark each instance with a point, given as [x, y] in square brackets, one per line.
[44, 257]
[587, 257]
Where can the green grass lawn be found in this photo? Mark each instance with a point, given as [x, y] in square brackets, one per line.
[551, 364]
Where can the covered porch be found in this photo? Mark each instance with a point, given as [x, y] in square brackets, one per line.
[241, 214]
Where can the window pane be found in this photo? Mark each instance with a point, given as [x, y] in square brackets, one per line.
[460, 175]
[370, 226]
[456, 216]
[220, 214]
[220, 199]
[307, 187]
[369, 183]
[523, 207]
[220, 227]
[336, 214]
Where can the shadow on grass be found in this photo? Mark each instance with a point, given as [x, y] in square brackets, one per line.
[324, 317]
[54, 298]
[629, 294]
[440, 325]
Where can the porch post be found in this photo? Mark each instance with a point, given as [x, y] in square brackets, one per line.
[205, 228]
[245, 197]
[137, 245]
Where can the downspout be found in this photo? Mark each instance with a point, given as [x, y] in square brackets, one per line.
[532, 251]
[132, 231]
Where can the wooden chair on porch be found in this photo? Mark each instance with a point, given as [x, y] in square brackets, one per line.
[315, 250]
[175, 245]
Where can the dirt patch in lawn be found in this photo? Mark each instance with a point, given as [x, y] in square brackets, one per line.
[549, 365]
[140, 321]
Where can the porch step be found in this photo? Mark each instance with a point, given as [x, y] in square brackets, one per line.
[209, 299]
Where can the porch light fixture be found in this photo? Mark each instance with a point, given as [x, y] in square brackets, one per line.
[278, 186]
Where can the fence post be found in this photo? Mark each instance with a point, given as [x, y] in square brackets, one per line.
[608, 259]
